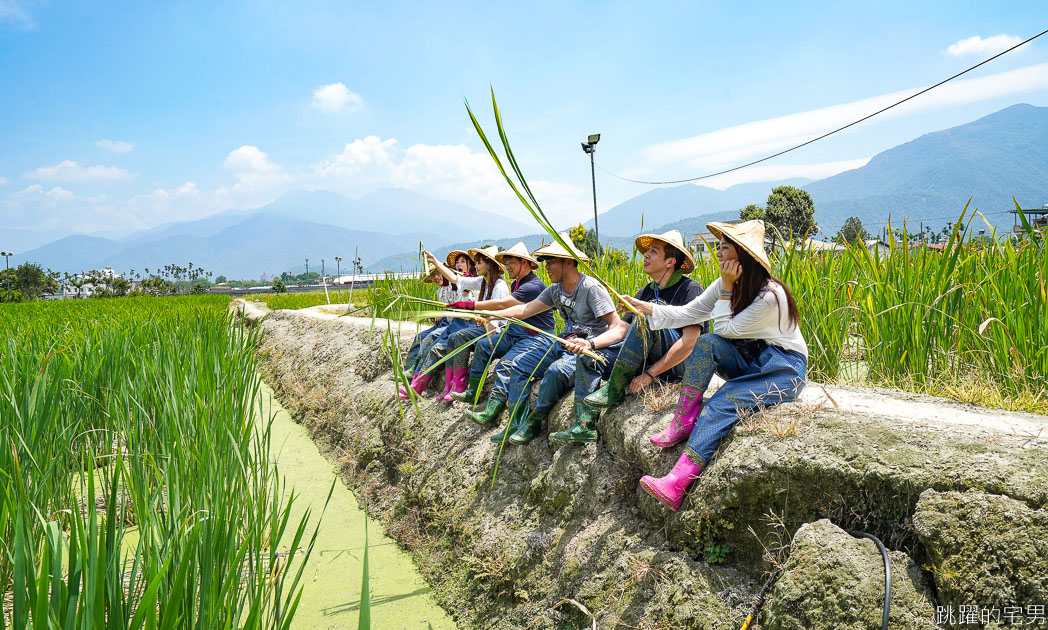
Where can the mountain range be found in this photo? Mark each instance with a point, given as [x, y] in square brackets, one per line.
[928, 179]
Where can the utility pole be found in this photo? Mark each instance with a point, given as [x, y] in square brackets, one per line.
[338, 269]
[7, 267]
[307, 267]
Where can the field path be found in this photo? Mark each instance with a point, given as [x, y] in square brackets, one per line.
[400, 598]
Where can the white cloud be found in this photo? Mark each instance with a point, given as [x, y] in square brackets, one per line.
[450, 172]
[253, 168]
[772, 172]
[977, 45]
[56, 194]
[16, 13]
[729, 146]
[4, 181]
[336, 97]
[116, 146]
[70, 171]
[357, 155]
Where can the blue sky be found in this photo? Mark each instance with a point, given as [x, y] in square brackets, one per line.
[121, 116]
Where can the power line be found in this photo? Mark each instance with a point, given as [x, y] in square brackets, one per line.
[830, 133]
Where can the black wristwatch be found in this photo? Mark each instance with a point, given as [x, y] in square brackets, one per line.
[593, 346]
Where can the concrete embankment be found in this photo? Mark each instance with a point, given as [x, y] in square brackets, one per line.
[561, 535]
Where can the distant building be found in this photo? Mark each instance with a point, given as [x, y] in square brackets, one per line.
[267, 277]
[83, 285]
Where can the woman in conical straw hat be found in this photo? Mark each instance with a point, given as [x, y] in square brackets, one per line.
[756, 346]
[486, 286]
[424, 339]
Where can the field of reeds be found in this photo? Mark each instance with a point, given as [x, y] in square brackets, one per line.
[136, 489]
[969, 322]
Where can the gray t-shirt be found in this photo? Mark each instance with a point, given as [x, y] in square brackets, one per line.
[582, 309]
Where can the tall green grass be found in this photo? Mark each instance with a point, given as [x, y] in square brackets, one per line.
[306, 299]
[136, 489]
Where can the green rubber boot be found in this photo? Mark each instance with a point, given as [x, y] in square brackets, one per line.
[409, 372]
[471, 391]
[584, 431]
[614, 391]
[530, 429]
[490, 413]
[516, 419]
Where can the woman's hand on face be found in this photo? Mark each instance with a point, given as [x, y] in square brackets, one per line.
[730, 272]
[643, 307]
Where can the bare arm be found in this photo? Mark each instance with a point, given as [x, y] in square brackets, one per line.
[678, 352]
[494, 305]
[616, 331]
[452, 276]
[523, 311]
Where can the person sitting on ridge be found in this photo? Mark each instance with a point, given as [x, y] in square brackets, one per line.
[591, 323]
[648, 354]
[515, 340]
[420, 377]
[488, 285]
[756, 346]
[425, 338]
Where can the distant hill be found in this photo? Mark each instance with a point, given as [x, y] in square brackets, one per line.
[669, 205]
[931, 178]
[280, 235]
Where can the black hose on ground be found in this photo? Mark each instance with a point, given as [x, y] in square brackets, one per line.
[887, 574]
[887, 583]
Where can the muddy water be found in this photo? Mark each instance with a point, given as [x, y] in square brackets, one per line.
[400, 599]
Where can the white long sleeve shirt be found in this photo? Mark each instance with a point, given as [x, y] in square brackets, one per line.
[765, 318]
[469, 291]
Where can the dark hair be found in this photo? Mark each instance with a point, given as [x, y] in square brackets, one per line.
[472, 265]
[669, 251]
[494, 274]
[754, 281]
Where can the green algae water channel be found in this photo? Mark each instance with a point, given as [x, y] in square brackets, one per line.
[400, 598]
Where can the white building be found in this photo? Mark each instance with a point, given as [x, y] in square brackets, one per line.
[84, 285]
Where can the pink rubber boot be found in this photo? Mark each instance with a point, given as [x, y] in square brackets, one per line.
[689, 405]
[449, 381]
[419, 384]
[458, 383]
[669, 490]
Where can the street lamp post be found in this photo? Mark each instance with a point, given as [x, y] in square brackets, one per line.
[338, 269]
[307, 270]
[322, 271]
[7, 267]
[590, 146]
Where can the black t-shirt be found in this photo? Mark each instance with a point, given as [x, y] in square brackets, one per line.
[528, 289]
[678, 294]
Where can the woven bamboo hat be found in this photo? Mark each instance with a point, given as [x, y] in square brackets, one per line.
[748, 235]
[556, 250]
[432, 274]
[453, 256]
[520, 250]
[491, 253]
[673, 238]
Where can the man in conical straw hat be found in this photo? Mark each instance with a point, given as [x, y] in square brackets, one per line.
[647, 354]
[525, 287]
[756, 346]
[425, 339]
[590, 324]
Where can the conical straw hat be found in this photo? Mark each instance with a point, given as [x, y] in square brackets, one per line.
[673, 238]
[520, 250]
[556, 250]
[453, 256]
[431, 274]
[748, 235]
[491, 253]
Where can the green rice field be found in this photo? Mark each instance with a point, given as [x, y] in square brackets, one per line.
[136, 490]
